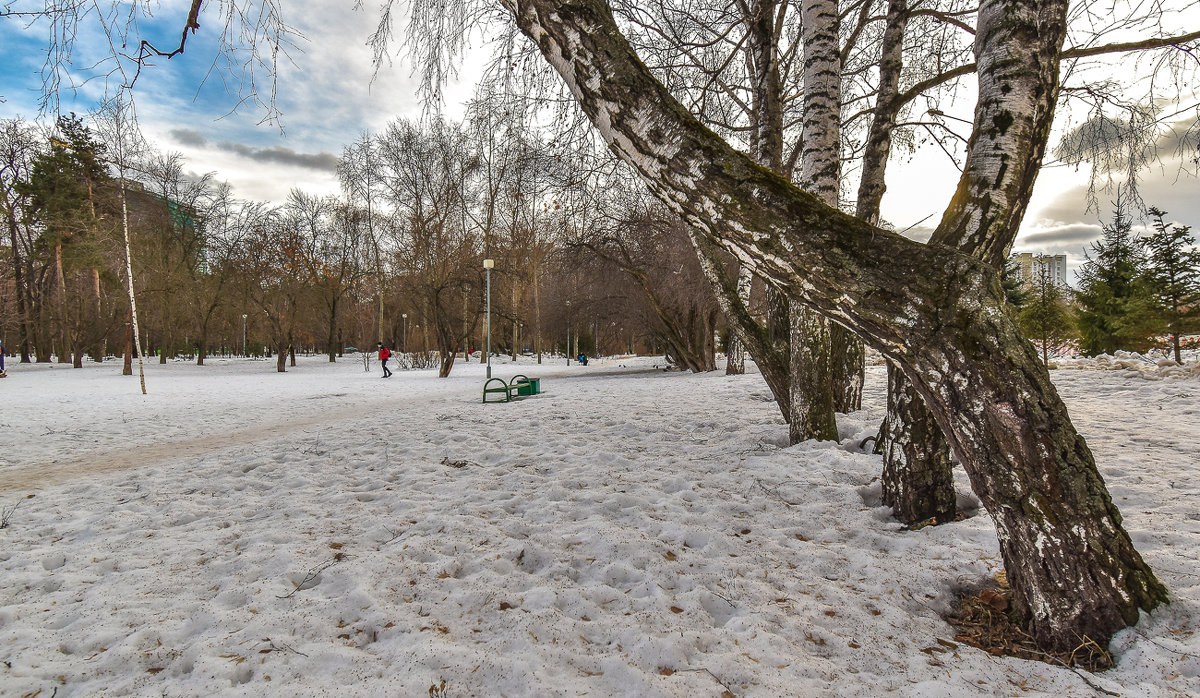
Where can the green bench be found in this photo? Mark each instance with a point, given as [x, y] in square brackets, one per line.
[519, 386]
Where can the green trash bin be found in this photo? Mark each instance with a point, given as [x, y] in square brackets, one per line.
[526, 385]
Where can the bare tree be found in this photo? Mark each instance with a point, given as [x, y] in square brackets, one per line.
[358, 171]
[117, 122]
[425, 174]
[18, 144]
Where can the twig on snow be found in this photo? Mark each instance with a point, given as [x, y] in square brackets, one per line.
[728, 691]
[280, 648]
[774, 492]
[314, 572]
[1078, 673]
[6, 514]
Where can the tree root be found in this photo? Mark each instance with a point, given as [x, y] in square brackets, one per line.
[984, 620]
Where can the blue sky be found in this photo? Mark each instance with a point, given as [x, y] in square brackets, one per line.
[327, 97]
[325, 94]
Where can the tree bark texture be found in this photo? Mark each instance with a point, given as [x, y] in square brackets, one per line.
[812, 378]
[735, 364]
[1017, 47]
[878, 146]
[917, 483]
[848, 364]
[812, 357]
[918, 478]
[127, 364]
[937, 312]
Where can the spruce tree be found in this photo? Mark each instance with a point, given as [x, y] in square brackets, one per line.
[1117, 309]
[1046, 318]
[1014, 287]
[1173, 275]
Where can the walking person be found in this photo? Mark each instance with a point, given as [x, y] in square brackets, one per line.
[384, 355]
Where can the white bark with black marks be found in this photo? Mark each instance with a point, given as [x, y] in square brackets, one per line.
[935, 311]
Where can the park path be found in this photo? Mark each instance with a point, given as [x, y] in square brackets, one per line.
[88, 456]
[36, 476]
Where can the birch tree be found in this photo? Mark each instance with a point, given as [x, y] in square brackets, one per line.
[936, 310]
[117, 123]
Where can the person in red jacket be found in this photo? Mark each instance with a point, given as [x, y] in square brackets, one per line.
[384, 355]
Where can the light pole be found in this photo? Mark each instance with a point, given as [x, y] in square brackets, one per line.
[243, 335]
[404, 333]
[568, 351]
[487, 267]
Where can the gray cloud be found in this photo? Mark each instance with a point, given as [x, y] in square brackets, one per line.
[187, 136]
[1060, 239]
[1181, 140]
[325, 162]
[282, 156]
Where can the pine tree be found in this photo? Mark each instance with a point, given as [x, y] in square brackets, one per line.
[1117, 309]
[63, 189]
[1173, 274]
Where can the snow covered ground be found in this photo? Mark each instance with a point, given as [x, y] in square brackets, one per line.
[630, 532]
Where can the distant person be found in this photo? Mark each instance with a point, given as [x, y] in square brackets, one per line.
[384, 355]
[582, 359]
[3, 374]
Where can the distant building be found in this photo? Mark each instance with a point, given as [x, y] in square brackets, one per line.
[1031, 265]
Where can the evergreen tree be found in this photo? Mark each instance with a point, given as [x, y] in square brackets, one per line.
[1117, 309]
[1173, 274]
[64, 181]
[1046, 318]
[64, 188]
[1014, 288]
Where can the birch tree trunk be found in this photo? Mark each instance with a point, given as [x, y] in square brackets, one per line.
[918, 476]
[937, 312]
[820, 166]
[133, 317]
[735, 350]
[918, 479]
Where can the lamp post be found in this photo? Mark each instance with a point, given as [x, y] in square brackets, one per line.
[404, 333]
[568, 351]
[243, 335]
[487, 267]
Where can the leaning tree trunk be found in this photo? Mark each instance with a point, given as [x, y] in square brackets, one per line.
[127, 364]
[937, 312]
[768, 349]
[918, 482]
